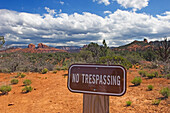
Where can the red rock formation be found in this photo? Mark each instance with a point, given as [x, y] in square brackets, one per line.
[32, 46]
[41, 45]
[145, 40]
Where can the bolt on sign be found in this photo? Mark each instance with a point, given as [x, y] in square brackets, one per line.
[97, 79]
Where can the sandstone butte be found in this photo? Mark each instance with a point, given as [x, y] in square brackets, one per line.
[41, 48]
[135, 46]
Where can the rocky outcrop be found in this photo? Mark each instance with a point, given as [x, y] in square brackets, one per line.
[32, 46]
[135, 46]
[145, 40]
[41, 45]
[41, 48]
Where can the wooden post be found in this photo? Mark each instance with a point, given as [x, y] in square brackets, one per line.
[95, 103]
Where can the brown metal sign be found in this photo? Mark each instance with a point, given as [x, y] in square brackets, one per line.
[97, 79]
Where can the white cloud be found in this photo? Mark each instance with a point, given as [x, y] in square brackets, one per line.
[107, 12]
[78, 29]
[135, 4]
[106, 2]
[50, 11]
[165, 17]
[61, 2]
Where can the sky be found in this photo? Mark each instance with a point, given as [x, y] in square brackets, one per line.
[79, 22]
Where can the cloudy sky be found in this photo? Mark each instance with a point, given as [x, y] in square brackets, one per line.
[79, 22]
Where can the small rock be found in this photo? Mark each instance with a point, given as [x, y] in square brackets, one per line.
[11, 104]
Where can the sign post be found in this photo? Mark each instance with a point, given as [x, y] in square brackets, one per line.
[97, 82]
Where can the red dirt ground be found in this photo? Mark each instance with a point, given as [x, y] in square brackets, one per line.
[50, 95]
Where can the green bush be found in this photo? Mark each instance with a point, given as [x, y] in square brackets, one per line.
[167, 76]
[136, 81]
[44, 71]
[5, 89]
[155, 74]
[22, 75]
[150, 87]
[18, 75]
[27, 89]
[142, 73]
[58, 69]
[64, 68]
[160, 76]
[128, 103]
[165, 92]
[150, 75]
[14, 81]
[55, 71]
[27, 82]
[156, 102]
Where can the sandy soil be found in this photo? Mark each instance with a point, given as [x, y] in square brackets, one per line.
[50, 95]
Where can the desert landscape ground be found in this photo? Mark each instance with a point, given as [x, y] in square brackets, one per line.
[50, 95]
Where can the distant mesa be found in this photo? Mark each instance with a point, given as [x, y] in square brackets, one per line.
[145, 40]
[135, 46]
[41, 45]
[31, 46]
[41, 48]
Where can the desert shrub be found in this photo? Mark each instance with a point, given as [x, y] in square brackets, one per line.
[167, 76]
[64, 68]
[31, 62]
[55, 71]
[27, 89]
[58, 69]
[156, 102]
[44, 71]
[153, 65]
[165, 92]
[27, 82]
[166, 68]
[136, 81]
[142, 73]
[115, 60]
[150, 75]
[128, 103]
[5, 89]
[22, 75]
[14, 81]
[18, 75]
[155, 74]
[150, 87]
[160, 76]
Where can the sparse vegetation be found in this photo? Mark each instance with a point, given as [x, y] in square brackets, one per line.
[44, 71]
[14, 81]
[136, 81]
[160, 76]
[5, 89]
[156, 102]
[167, 76]
[150, 75]
[150, 87]
[142, 73]
[22, 75]
[55, 71]
[27, 89]
[128, 103]
[155, 74]
[165, 92]
[27, 82]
